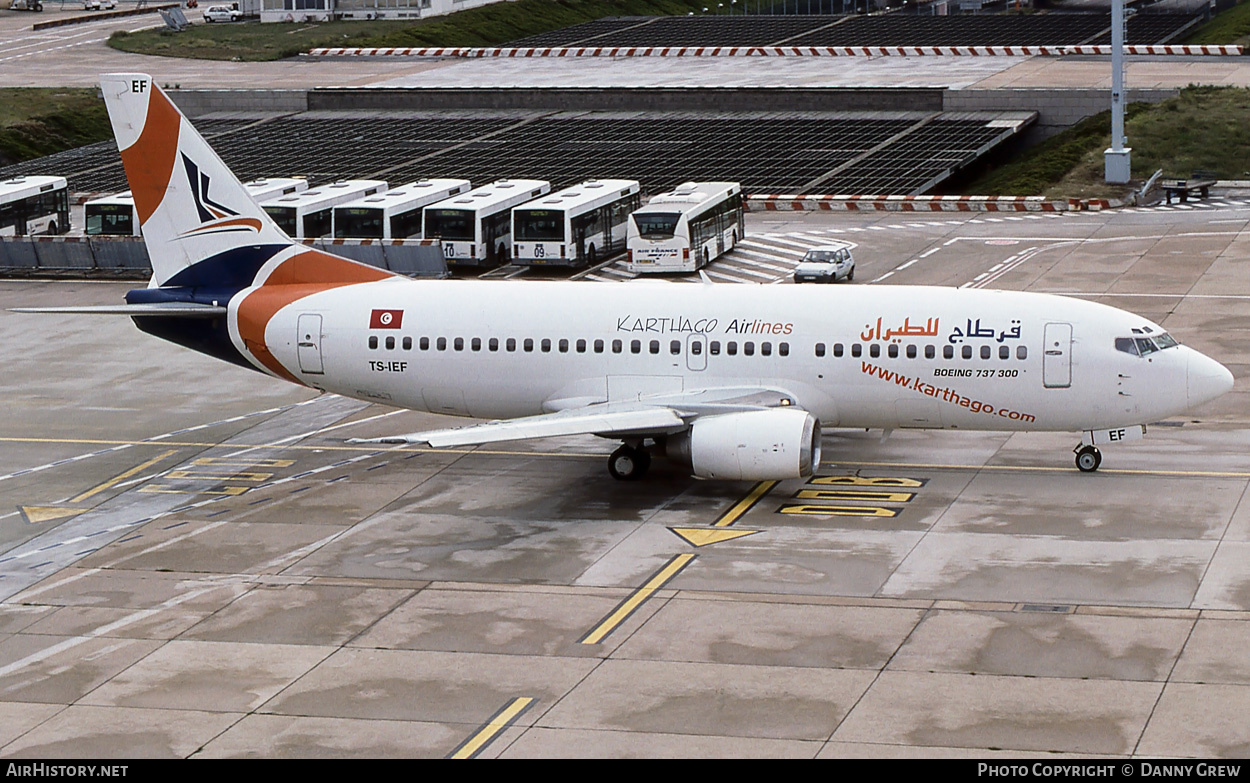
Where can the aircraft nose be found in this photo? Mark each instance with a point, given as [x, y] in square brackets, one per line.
[1206, 379]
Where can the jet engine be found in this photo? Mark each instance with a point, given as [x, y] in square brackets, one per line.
[778, 443]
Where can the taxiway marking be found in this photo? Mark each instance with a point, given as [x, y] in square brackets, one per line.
[636, 599]
[501, 720]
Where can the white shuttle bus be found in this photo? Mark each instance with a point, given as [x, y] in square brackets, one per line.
[686, 229]
[395, 214]
[577, 226]
[34, 205]
[310, 214]
[116, 215]
[475, 228]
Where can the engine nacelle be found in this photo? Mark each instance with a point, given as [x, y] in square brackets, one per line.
[778, 443]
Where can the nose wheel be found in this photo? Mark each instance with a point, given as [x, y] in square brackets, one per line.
[629, 463]
[1088, 458]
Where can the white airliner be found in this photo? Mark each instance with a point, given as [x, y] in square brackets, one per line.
[732, 381]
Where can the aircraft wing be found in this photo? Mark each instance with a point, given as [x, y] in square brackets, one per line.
[181, 309]
[594, 419]
[650, 416]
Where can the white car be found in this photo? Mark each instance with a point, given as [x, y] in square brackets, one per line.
[826, 265]
[99, 5]
[222, 13]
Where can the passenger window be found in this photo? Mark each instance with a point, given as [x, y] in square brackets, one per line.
[510, 344]
[581, 346]
[407, 343]
[837, 350]
[528, 345]
[820, 349]
[475, 344]
[459, 344]
[546, 345]
[930, 352]
[714, 348]
[985, 352]
[748, 348]
[766, 349]
[783, 349]
[948, 352]
[598, 346]
[911, 352]
[967, 352]
[654, 346]
[674, 347]
[373, 342]
[857, 350]
[635, 346]
[696, 347]
[390, 343]
[874, 350]
[616, 346]
[1004, 352]
[441, 344]
[892, 351]
[563, 345]
[492, 344]
[731, 348]
[1022, 352]
[424, 344]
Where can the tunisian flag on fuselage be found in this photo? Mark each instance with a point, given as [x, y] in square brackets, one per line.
[386, 319]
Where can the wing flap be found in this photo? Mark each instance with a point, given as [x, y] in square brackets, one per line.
[581, 421]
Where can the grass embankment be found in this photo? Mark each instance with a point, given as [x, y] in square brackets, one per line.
[488, 25]
[1231, 26]
[1203, 128]
[37, 121]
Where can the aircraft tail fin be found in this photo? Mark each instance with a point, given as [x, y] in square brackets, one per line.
[201, 226]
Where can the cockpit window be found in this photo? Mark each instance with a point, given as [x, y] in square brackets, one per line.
[1145, 345]
[1126, 345]
[1165, 340]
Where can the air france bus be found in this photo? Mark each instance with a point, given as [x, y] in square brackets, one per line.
[576, 226]
[395, 214]
[116, 215]
[310, 215]
[687, 229]
[475, 228]
[34, 205]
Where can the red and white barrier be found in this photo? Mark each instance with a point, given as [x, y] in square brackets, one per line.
[770, 51]
[779, 202]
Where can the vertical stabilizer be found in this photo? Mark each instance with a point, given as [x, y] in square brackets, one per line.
[201, 226]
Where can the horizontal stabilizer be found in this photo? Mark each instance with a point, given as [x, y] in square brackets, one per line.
[592, 420]
[180, 309]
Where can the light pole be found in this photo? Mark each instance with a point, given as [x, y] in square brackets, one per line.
[1116, 159]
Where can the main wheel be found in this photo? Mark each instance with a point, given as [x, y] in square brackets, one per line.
[1088, 458]
[628, 463]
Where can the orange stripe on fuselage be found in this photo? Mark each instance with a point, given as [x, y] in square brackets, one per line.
[149, 162]
[301, 275]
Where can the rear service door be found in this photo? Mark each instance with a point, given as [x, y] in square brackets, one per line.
[1057, 357]
[309, 350]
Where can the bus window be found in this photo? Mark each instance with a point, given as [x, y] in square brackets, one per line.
[538, 224]
[656, 224]
[406, 224]
[319, 224]
[361, 222]
[455, 224]
[285, 218]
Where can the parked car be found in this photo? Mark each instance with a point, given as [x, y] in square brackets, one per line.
[222, 13]
[827, 264]
[99, 5]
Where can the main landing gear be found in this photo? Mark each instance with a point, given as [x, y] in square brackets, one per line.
[1088, 458]
[629, 463]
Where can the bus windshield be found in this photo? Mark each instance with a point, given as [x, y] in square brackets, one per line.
[539, 224]
[656, 224]
[455, 224]
[361, 223]
[110, 219]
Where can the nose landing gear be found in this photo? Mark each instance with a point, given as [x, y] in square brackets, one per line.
[1088, 458]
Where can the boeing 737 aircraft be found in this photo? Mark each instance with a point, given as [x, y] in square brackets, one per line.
[732, 381]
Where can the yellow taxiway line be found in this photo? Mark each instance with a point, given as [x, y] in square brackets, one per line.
[636, 599]
[498, 722]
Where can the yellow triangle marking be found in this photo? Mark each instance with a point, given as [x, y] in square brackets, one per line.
[36, 514]
[701, 536]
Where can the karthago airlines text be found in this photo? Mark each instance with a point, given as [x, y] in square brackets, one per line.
[41, 770]
[1143, 769]
[944, 394]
